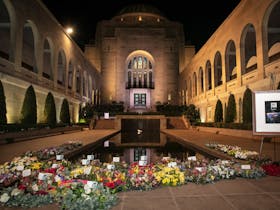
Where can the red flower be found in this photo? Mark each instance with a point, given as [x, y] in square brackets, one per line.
[22, 187]
[272, 169]
[110, 185]
[41, 192]
[50, 170]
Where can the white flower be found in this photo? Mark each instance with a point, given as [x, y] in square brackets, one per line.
[15, 192]
[86, 197]
[87, 189]
[35, 187]
[4, 198]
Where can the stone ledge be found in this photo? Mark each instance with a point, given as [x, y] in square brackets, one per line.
[31, 134]
[230, 132]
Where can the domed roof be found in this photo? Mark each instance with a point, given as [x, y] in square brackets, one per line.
[140, 8]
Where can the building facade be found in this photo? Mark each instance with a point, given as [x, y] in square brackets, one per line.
[138, 57]
[137, 53]
[244, 52]
[35, 50]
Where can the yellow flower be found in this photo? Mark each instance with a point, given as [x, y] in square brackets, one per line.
[76, 172]
[36, 165]
[158, 178]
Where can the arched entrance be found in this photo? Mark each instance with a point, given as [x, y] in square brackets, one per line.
[139, 79]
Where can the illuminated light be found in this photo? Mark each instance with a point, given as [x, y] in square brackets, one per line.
[69, 30]
[140, 18]
[122, 19]
[202, 119]
[158, 20]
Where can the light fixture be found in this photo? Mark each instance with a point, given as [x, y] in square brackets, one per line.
[69, 30]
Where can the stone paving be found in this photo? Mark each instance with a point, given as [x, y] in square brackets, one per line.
[8, 151]
[243, 194]
[200, 138]
[262, 194]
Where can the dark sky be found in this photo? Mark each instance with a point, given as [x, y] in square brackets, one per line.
[200, 19]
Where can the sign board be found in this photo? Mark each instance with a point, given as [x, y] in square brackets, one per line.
[192, 158]
[106, 143]
[116, 159]
[266, 112]
[106, 115]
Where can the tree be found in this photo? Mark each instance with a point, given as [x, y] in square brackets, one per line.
[219, 111]
[29, 107]
[231, 109]
[50, 111]
[3, 110]
[64, 112]
[192, 114]
[247, 106]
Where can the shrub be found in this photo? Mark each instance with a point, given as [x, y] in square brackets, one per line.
[64, 112]
[171, 110]
[192, 114]
[29, 107]
[3, 110]
[219, 111]
[231, 109]
[50, 111]
[247, 106]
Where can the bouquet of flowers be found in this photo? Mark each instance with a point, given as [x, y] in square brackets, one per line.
[141, 177]
[171, 176]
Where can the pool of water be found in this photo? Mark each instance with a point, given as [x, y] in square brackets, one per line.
[131, 149]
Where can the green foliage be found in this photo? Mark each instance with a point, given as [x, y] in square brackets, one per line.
[239, 126]
[231, 109]
[50, 111]
[171, 110]
[193, 114]
[80, 112]
[64, 112]
[247, 106]
[74, 198]
[3, 111]
[29, 107]
[219, 111]
[26, 200]
[90, 110]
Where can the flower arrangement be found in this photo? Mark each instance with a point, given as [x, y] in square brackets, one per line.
[141, 177]
[171, 176]
[272, 169]
[235, 151]
[81, 196]
[27, 181]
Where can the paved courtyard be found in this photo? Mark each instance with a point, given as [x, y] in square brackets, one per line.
[239, 193]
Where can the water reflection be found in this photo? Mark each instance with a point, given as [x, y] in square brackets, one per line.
[140, 130]
[131, 150]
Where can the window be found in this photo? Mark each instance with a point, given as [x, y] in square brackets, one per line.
[47, 61]
[140, 99]
[140, 72]
[138, 152]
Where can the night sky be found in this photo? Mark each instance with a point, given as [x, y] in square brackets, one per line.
[199, 19]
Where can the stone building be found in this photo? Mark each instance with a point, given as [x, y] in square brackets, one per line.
[244, 52]
[137, 53]
[138, 57]
[35, 50]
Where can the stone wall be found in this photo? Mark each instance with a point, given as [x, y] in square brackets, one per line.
[248, 18]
